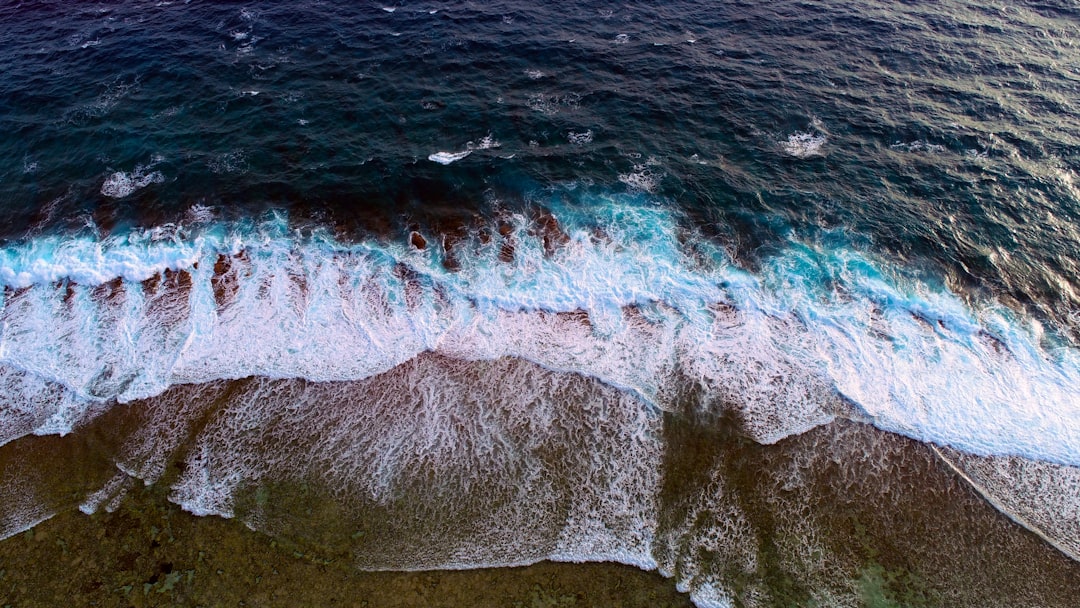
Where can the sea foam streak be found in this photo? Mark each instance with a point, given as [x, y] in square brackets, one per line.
[813, 324]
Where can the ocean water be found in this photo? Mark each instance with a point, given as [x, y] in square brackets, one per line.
[781, 299]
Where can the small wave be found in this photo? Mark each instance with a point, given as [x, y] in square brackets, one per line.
[445, 158]
[199, 214]
[918, 146]
[580, 138]
[804, 145]
[121, 184]
[168, 112]
[488, 142]
[641, 178]
[552, 104]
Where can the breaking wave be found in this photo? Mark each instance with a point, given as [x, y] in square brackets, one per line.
[382, 364]
[623, 295]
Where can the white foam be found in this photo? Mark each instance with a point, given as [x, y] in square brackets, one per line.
[1041, 496]
[109, 495]
[780, 345]
[493, 445]
[804, 145]
[488, 142]
[445, 158]
[121, 184]
[580, 139]
[716, 528]
[641, 178]
[199, 214]
[918, 146]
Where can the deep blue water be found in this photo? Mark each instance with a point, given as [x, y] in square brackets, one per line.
[950, 131]
[789, 212]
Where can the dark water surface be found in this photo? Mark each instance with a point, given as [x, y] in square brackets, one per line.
[780, 299]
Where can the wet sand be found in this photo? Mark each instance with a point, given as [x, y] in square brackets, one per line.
[151, 553]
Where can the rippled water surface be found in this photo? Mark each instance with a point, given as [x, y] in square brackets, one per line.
[780, 299]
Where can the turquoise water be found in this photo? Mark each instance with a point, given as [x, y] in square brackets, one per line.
[529, 236]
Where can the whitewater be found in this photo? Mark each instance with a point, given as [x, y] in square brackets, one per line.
[624, 295]
[630, 298]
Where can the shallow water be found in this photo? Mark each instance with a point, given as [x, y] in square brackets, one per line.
[728, 291]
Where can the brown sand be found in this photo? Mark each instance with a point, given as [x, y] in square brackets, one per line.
[151, 553]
